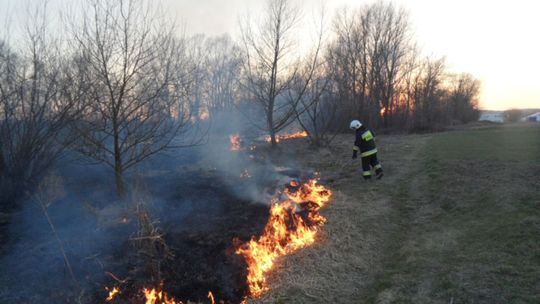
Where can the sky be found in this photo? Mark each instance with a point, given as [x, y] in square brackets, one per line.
[496, 41]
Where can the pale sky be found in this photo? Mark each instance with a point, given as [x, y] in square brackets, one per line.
[496, 41]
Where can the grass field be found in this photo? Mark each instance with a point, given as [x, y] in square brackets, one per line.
[455, 220]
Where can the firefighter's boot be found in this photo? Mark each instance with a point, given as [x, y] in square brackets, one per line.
[379, 173]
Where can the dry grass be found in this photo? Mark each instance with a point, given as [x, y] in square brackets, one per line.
[349, 256]
[455, 220]
[150, 246]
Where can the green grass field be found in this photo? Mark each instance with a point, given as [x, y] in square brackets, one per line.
[469, 220]
[456, 219]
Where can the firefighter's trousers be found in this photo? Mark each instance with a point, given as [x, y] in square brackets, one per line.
[369, 162]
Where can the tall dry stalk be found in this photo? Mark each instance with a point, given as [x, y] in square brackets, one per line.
[150, 246]
[48, 191]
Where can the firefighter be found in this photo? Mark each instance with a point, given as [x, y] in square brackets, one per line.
[365, 143]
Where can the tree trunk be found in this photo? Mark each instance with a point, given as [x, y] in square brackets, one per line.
[2, 164]
[273, 140]
[118, 168]
[270, 122]
[118, 174]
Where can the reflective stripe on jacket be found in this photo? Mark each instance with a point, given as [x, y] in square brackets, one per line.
[365, 142]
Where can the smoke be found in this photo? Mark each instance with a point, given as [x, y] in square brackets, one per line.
[81, 207]
[253, 163]
[199, 198]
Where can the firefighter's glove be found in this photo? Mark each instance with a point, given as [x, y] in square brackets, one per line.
[354, 154]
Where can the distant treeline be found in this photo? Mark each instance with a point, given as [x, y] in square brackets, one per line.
[120, 83]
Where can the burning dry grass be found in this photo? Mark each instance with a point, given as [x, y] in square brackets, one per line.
[156, 295]
[113, 292]
[453, 221]
[293, 224]
[281, 137]
[430, 231]
[348, 256]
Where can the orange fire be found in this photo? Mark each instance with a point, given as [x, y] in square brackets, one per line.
[157, 296]
[383, 110]
[292, 225]
[299, 134]
[211, 297]
[235, 142]
[112, 293]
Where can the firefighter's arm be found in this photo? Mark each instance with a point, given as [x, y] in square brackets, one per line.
[355, 152]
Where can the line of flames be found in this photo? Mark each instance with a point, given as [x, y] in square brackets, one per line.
[155, 296]
[285, 232]
[236, 141]
[158, 296]
[293, 224]
[299, 134]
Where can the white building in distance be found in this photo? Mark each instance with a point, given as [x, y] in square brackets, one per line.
[493, 116]
[533, 117]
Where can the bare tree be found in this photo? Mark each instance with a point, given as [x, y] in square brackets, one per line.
[34, 108]
[195, 51]
[429, 94]
[138, 103]
[271, 66]
[406, 89]
[348, 57]
[223, 63]
[215, 64]
[395, 47]
[369, 55]
[320, 108]
[317, 105]
[463, 98]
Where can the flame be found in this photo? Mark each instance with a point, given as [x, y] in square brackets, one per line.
[112, 293]
[235, 142]
[299, 134]
[211, 297]
[157, 296]
[292, 225]
[383, 110]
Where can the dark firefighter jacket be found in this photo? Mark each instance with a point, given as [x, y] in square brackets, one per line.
[365, 142]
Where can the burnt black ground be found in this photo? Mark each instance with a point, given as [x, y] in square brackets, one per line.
[204, 258]
[195, 209]
[200, 242]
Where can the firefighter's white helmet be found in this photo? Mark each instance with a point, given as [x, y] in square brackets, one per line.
[355, 124]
